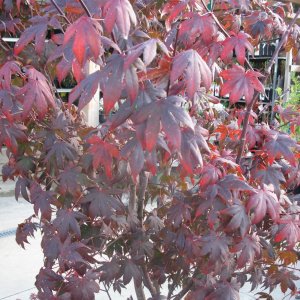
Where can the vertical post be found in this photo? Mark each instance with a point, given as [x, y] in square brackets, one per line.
[91, 110]
[274, 85]
[287, 76]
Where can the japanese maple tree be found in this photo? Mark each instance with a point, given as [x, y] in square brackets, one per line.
[169, 193]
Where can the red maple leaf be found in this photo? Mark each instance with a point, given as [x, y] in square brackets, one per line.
[119, 13]
[165, 113]
[288, 230]
[103, 154]
[278, 144]
[83, 37]
[85, 90]
[196, 73]
[37, 32]
[239, 83]
[36, 93]
[239, 43]
[133, 152]
[240, 219]
[7, 70]
[259, 25]
[263, 202]
[250, 249]
[202, 26]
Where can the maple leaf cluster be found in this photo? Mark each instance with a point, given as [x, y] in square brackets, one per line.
[158, 194]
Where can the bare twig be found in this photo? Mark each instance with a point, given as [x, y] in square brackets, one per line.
[85, 8]
[255, 97]
[60, 11]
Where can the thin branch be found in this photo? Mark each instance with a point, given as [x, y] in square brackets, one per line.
[60, 11]
[85, 8]
[222, 29]
[186, 289]
[107, 292]
[132, 199]
[173, 54]
[255, 97]
[141, 195]
[148, 282]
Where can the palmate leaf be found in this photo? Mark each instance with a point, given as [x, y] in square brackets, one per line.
[11, 133]
[84, 287]
[36, 93]
[67, 63]
[175, 7]
[111, 81]
[197, 26]
[103, 154]
[285, 278]
[132, 271]
[269, 175]
[37, 32]
[67, 221]
[278, 144]
[83, 37]
[119, 13]
[194, 70]
[179, 212]
[7, 70]
[134, 154]
[239, 43]
[102, 204]
[240, 219]
[240, 83]
[191, 143]
[210, 174]
[258, 25]
[216, 246]
[165, 113]
[263, 202]
[148, 49]
[42, 201]
[225, 187]
[59, 153]
[72, 253]
[85, 90]
[48, 279]
[225, 290]
[72, 180]
[24, 231]
[289, 230]
[249, 249]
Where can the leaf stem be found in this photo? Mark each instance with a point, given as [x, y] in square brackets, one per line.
[60, 11]
[255, 97]
[85, 8]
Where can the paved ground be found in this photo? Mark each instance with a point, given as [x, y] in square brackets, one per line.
[19, 267]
